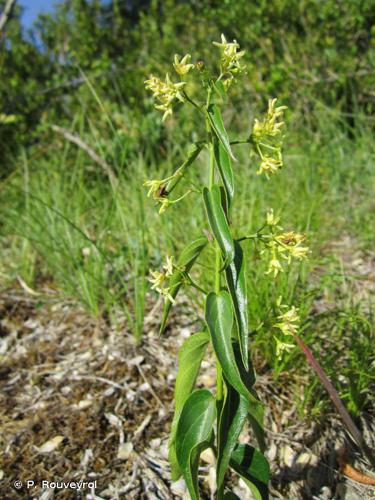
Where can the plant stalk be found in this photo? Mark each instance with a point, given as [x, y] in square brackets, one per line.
[219, 373]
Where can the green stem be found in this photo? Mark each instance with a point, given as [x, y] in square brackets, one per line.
[194, 285]
[234, 143]
[219, 373]
[211, 180]
[189, 99]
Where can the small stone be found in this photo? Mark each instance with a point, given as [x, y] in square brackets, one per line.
[155, 443]
[288, 455]
[51, 445]
[124, 450]
[185, 332]
[136, 361]
[208, 456]
[113, 419]
[178, 488]
[211, 480]
[305, 459]
[144, 387]
[83, 404]
[272, 452]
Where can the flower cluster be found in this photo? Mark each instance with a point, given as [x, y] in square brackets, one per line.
[288, 323]
[159, 280]
[159, 192]
[230, 65]
[267, 139]
[285, 245]
[166, 92]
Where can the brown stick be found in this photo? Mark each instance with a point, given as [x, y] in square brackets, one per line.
[81, 144]
[352, 473]
[347, 419]
[4, 18]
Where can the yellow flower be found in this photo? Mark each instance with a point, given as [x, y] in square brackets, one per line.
[182, 66]
[271, 220]
[274, 267]
[165, 92]
[169, 266]
[267, 139]
[159, 280]
[289, 321]
[165, 203]
[230, 56]
[269, 165]
[282, 347]
[285, 245]
[155, 186]
[290, 243]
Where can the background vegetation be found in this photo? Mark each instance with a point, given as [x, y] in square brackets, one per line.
[79, 135]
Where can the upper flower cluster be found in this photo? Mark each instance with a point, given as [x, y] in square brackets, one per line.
[230, 59]
[166, 92]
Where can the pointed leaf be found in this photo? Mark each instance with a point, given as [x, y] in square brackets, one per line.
[189, 362]
[235, 275]
[194, 431]
[218, 222]
[232, 419]
[256, 409]
[256, 417]
[253, 467]
[220, 90]
[217, 125]
[185, 262]
[224, 165]
[219, 319]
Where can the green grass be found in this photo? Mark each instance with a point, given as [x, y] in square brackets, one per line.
[67, 224]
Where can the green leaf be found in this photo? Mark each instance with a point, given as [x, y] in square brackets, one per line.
[235, 275]
[253, 467]
[232, 419]
[219, 88]
[217, 125]
[224, 165]
[256, 417]
[219, 319]
[189, 361]
[256, 409]
[185, 262]
[194, 431]
[229, 495]
[218, 222]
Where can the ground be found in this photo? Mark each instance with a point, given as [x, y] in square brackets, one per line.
[80, 401]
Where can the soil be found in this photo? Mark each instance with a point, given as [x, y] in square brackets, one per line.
[80, 401]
